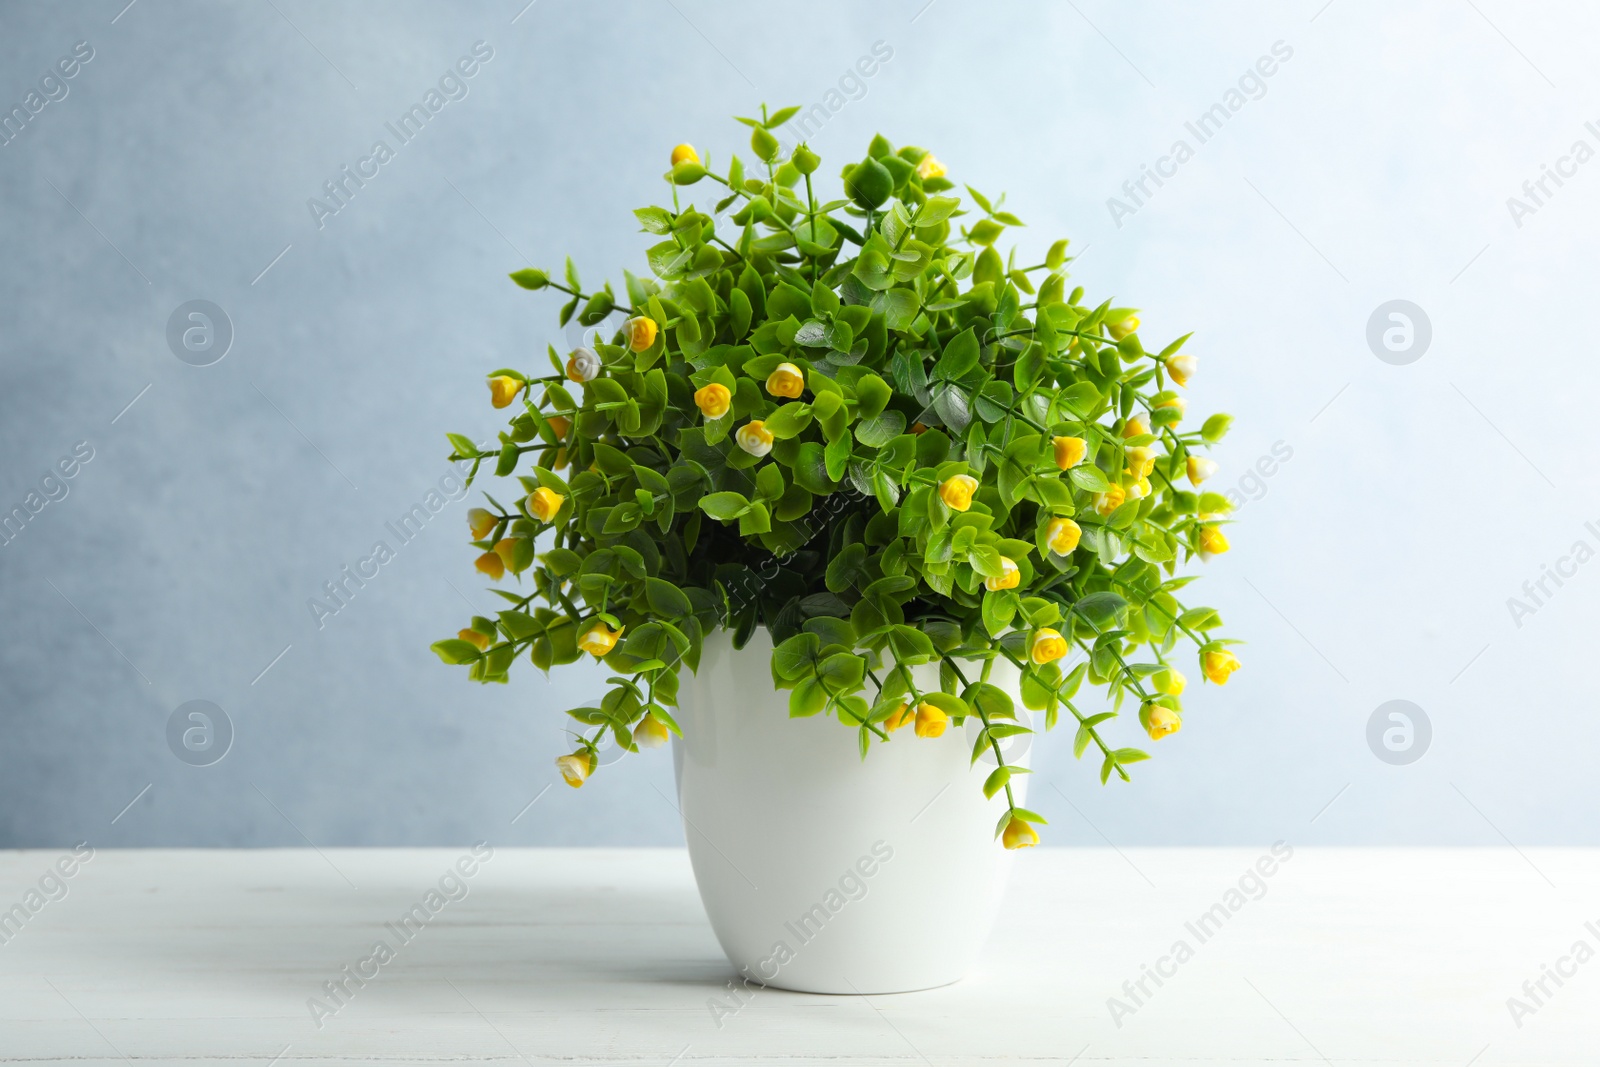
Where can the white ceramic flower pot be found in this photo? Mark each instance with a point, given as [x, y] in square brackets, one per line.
[820, 872]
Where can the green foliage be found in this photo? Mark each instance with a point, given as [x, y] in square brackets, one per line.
[925, 355]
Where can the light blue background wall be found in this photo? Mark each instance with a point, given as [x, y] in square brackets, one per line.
[1375, 565]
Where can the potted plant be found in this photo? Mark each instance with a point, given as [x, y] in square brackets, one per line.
[890, 497]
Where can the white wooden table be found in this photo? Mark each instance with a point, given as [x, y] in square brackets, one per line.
[604, 956]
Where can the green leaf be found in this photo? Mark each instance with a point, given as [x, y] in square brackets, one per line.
[872, 395]
[653, 219]
[687, 173]
[763, 144]
[1216, 427]
[832, 631]
[985, 559]
[456, 651]
[985, 231]
[837, 457]
[596, 308]
[757, 519]
[740, 312]
[989, 700]
[842, 670]
[1081, 398]
[1104, 609]
[794, 657]
[724, 506]
[1200, 619]
[880, 429]
[808, 698]
[1090, 478]
[508, 459]
[999, 608]
[937, 209]
[952, 405]
[911, 645]
[950, 705]
[960, 356]
[769, 482]
[1037, 683]
[666, 598]
[562, 561]
[531, 278]
[845, 567]
[852, 709]
[790, 420]
[899, 308]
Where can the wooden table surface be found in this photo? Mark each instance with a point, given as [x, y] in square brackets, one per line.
[547, 956]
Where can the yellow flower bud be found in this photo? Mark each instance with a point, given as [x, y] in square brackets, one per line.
[713, 400]
[1212, 542]
[599, 640]
[1019, 834]
[583, 365]
[899, 717]
[931, 721]
[1119, 330]
[1159, 721]
[1069, 451]
[576, 768]
[1200, 469]
[1048, 646]
[754, 438]
[543, 503]
[480, 521]
[1177, 403]
[1110, 500]
[1181, 368]
[786, 381]
[957, 491]
[1136, 426]
[919, 428]
[504, 549]
[1139, 489]
[684, 153]
[1010, 576]
[492, 565]
[651, 732]
[930, 167]
[1063, 536]
[1218, 664]
[641, 330]
[481, 640]
[503, 390]
[560, 425]
[1141, 460]
[1169, 681]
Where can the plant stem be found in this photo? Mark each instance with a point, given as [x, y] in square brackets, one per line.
[994, 745]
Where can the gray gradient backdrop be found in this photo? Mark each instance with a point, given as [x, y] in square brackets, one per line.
[1374, 564]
